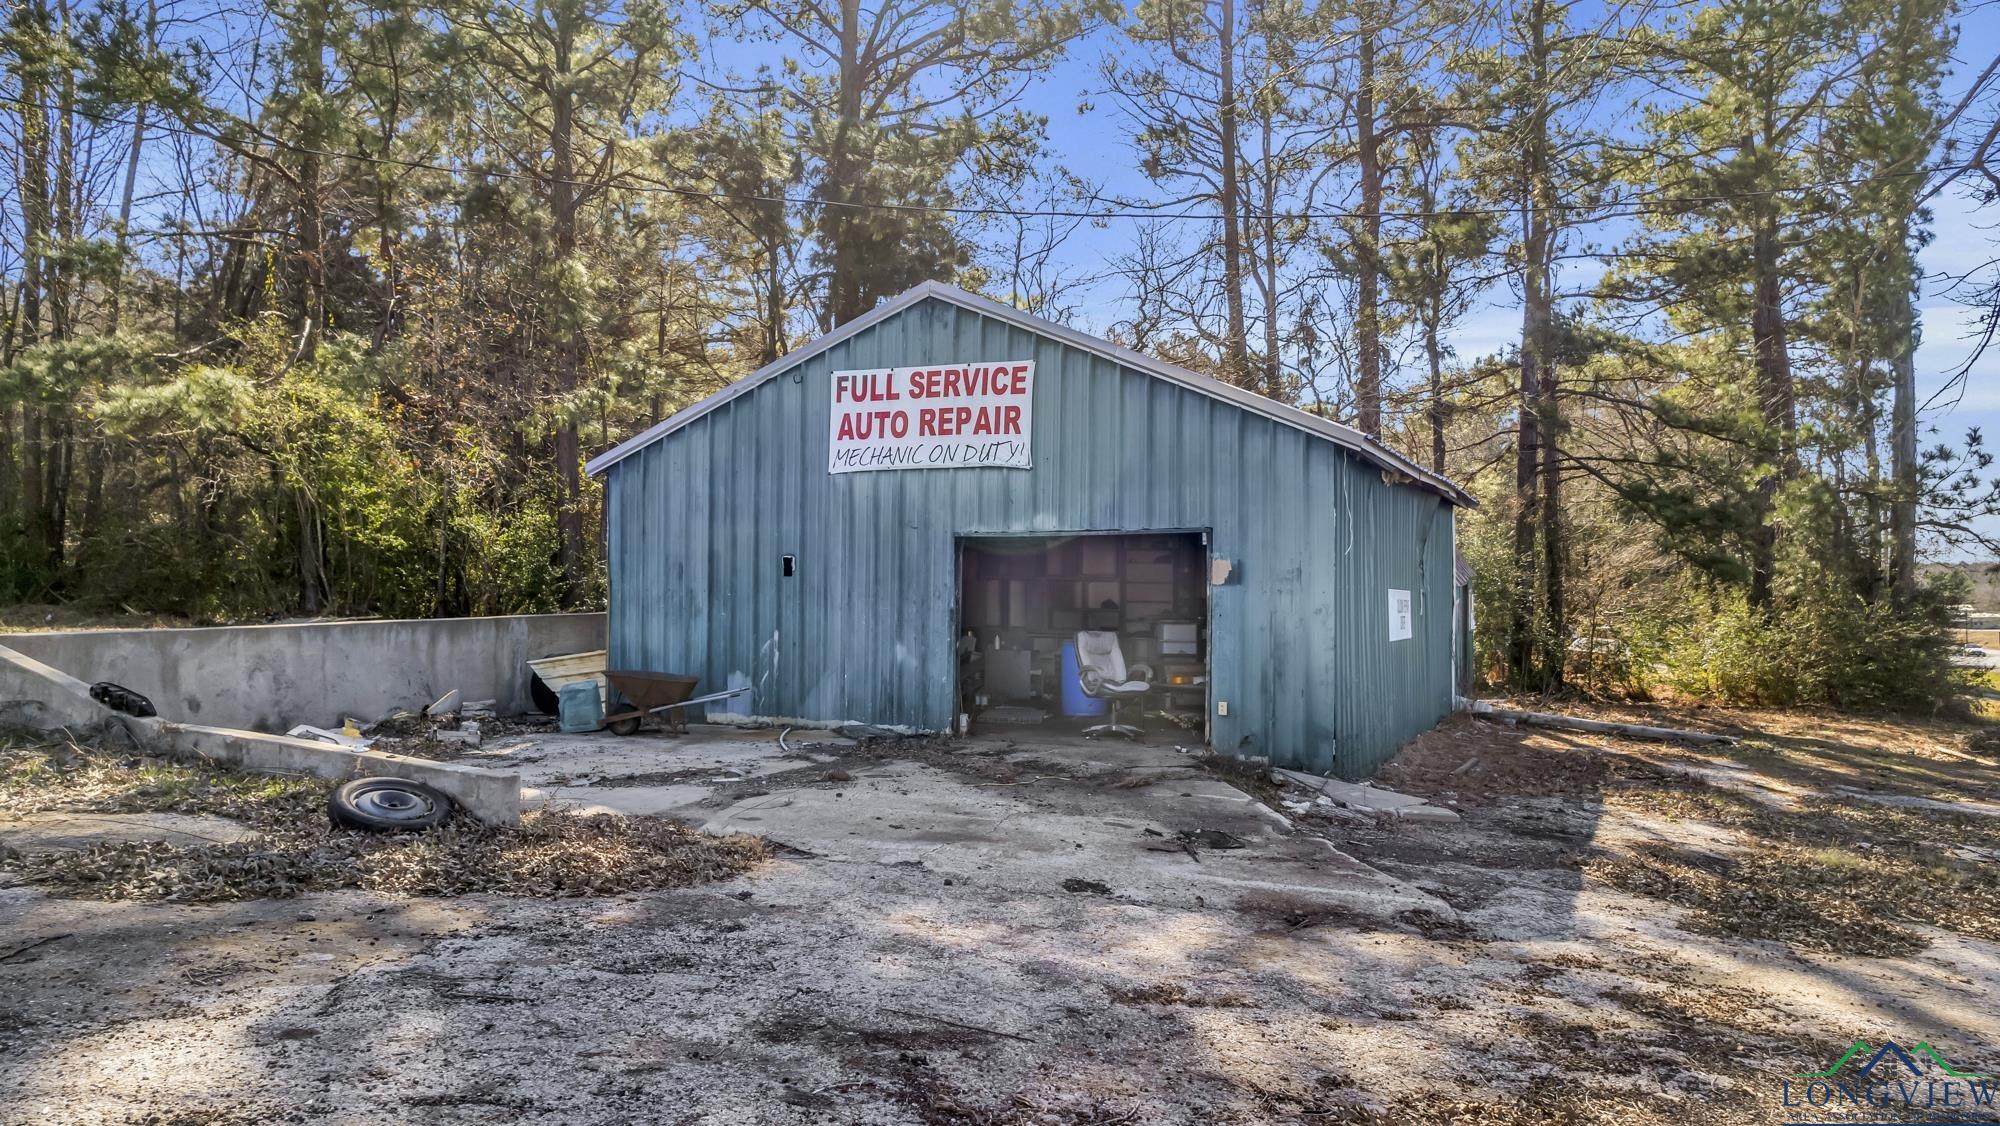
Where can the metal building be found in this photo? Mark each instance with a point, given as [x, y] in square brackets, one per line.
[750, 544]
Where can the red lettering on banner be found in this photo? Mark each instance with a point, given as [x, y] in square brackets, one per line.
[949, 416]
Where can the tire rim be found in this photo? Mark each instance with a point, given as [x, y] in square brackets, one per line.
[394, 805]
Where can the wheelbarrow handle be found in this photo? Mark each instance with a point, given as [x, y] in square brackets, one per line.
[711, 697]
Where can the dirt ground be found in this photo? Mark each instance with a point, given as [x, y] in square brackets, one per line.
[1617, 932]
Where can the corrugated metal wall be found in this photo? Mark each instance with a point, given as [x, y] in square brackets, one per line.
[700, 521]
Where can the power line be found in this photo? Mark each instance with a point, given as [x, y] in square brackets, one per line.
[1661, 205]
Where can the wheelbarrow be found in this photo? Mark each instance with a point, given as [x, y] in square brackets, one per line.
[650, 693]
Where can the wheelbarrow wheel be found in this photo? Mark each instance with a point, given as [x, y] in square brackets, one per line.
[625, 726]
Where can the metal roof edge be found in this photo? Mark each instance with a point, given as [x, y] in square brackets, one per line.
[1337, 433]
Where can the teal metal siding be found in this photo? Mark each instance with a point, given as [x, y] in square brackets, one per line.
[700, 520]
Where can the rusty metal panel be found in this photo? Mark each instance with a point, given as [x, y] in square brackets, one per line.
[1299, 637]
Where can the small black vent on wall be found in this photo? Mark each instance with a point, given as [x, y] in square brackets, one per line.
[791, 565]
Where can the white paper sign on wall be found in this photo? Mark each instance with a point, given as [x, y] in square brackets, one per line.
[932, 416]
[1401, 627]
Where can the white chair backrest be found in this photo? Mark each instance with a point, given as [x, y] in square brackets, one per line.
[1098, 651]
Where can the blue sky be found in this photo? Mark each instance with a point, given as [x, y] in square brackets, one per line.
[1094, 146]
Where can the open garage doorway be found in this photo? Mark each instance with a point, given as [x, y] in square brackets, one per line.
[1023, 601]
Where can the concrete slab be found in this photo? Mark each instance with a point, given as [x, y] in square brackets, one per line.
[39, 832]
[1364, 798]
[1023, 812]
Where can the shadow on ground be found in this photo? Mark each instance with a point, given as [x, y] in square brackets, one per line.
[988, 932]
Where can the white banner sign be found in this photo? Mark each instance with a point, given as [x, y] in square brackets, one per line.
[944, 416]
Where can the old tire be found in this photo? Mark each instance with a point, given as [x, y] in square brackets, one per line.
[624, 726]
[387, 805]
[541, 695]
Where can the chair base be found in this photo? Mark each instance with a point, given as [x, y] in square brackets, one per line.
[1114, 727]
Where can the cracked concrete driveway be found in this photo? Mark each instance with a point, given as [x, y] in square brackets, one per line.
[946, 921]
[1038, 930]
[1024, 814]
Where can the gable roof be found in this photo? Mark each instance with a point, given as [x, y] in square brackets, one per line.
[1392, 463]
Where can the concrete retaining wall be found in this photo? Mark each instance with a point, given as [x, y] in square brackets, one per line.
[492, 796]
[37, 698]
[269, 678]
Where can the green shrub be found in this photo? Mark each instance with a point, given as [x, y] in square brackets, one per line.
[1821, 646]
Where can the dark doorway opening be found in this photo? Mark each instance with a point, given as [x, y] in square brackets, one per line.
[1023, 599]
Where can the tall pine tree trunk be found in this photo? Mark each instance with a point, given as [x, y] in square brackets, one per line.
[27, 20]
[843, 297]
[1555, 609]
[1536, 302]
[311, 207]
[58, 429]
[1367, 246]
[1903, 455]
[1236, 348]
[96, 460]
[1274, 375]
[569, 344]
[1434, 360]
[1775, 399]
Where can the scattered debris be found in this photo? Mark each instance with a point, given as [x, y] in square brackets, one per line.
[1013, 714]
[867, 732]
[1074, 884]
[1510, 764]
[445, 705]
[355, 742]
[466, 733]
[1211, 838]
[1359, 798]
[1172, 993]
[550, 675]
[297, 850]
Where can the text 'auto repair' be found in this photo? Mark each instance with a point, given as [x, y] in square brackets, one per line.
[987, 381]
